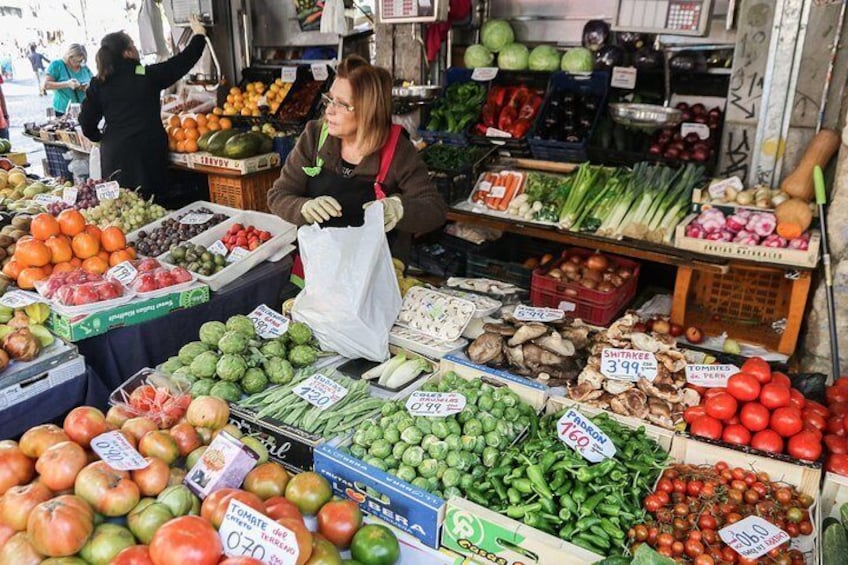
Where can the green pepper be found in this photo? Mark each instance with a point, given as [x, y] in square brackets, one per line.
[588, 507]
[585, 544]
[536, 521]
[501, 471]
[566, 531]
[612, 530]
[564, 514]
[586, 523]
[609, 509]
[539, 483]
[548, 504]
[592, 540]
[558, 480]
[566, 487]
[567, 502]
[514, 496]
[500, 489]
[517, 512]
[579, 493]
[586, 474]
[476, 496]
[524, 486]
[548, 459]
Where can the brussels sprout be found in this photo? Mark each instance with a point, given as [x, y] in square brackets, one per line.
[253, 381]
[274, 349]
[438, 450]
[203, 366]
[412, 435]
[420, 482]
[299, 333]
[388, 409]
[212, 332]
[478, 472]
[469, 459]
[428, 468]
[454, 427]
[380, 448]
[454, 459]
[454, 443]
[404, 422]
[360, 438]
[479, 444]
[391, 463]
[512, 413]
[423, 424]
[490, 456]
[202, 387]
[302, 356]
[441, 470]
[509, 400]
[241, 324]
[358, 451]
[279, 371]
[504, 428]
[399, 449]
[373, 433]
[413, 456]
[497, 412]
[227, 390]
[233, 342]
[191, 350]
[451, 477]
[171, 365]
[432, 484]
[493, 439]
[406, 473]
[427, 441]
[488, 422]
[231, 367]
[451, 492]
[468, 442]
[485, 402]
[440, 429]
[374, 462]
[466, 482]
[391, 435]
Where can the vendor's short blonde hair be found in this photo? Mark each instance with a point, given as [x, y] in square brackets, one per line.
[372, 101]
[75, 50]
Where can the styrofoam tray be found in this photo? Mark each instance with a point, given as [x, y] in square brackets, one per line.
[425, 311]
[423, 344]
[215, 208]
[485, 305]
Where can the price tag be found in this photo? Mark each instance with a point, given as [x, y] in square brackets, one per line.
[107, 190]
[69, 195]
[319, 71]
[484, 74]
[524, 313]
[269, 324]
[628, 364]
[498, 191]
[18, 299]
[288, 74]
[567, 306]
[581, 435]
[702, 130]
[710, 376]
[195, 218]
[495, 132]
[484, 186]
[246, 532]
[46, 199]
[623, 77]
[124, 273]
[114, 449]
[435, 404]
[718, 189]
[236, 254]
[752, 537]
[320, 392]
[219, 248]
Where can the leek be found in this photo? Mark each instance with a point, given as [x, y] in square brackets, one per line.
[587, 178]
[385, 367]
[405, 374]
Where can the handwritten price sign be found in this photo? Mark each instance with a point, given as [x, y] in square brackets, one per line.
[195, 218]
[268, 323]
[288, 74]
[710, 376]
[114, 449]
[320, 392]
[581, 435]
[107, 190]
[124, 273]
[69, 195]
[753, 537]
[484, 74]
[18, 299]
[628, 364]
[524, 313]
[246, 532]
[435, 404]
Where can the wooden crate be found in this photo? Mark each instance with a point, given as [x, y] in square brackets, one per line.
[248, 192]
[744, 302]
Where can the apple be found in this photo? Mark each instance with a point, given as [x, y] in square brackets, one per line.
[640, 327]
[661, 327]
[675, 330]
[694, 334]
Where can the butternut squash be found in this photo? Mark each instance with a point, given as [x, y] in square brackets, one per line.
[799, 183]
[793, 218]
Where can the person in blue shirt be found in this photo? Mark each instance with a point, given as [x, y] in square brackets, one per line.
[68, 78]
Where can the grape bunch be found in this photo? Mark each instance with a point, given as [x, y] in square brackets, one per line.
[129, 212]
[86, 198]
[172, 232]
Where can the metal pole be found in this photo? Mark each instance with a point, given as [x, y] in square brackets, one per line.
[834, 49]
[821, 198]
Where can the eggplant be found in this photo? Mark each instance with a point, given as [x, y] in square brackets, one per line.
[595, 35]
[631, 40]
[647, 59]
[609, 56]
[687, 61]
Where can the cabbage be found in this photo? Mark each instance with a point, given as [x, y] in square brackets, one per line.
[544, 58]
[478, 56]
[513, 57]
[496, 34]
[578, 60]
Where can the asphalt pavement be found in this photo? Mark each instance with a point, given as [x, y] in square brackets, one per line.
[25, 105]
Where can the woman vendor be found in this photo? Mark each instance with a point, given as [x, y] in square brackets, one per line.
[353, 156]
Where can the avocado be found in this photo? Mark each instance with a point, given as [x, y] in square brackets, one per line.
[217, 141]
[242, 146]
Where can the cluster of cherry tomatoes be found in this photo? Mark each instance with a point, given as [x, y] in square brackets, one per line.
[692, 503]
[836, 439]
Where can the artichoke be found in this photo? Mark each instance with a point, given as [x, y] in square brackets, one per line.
[231, 367]
[233, 342]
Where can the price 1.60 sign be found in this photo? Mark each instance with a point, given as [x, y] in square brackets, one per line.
[581, 435]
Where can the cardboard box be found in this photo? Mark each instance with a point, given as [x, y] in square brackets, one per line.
[459, 363]
[18, 158]
[243, 166]
[35, 385]
[183, 159]
[834, 495]
[76, 328]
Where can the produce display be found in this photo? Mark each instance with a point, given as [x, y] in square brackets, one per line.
[510, 109]
[9, 236]
[172, 231]
[497, 190]
[86, 198]
[721, 193]
[457, 110]
[186, 130]
[153, 276]
[569, 117]
[835, 543]
[235, 144]
[197, 259]
[836, 443]
[22, 334]
[249, 102]
[129, 212]
[498, 38]
[691, 503]
[299, 104]
[246, 237]
[745, 227]
[542, 198]
[672, 145]
[156, 398]
[79, 288]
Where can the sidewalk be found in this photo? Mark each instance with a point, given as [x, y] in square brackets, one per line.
[25, 105]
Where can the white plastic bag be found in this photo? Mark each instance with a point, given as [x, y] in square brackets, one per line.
[351, 299]
[94, 162]
[333, 17]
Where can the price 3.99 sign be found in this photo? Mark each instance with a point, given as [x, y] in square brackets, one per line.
[628, 364]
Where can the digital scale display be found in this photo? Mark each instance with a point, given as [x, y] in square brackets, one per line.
[405, 11]
[683, 17]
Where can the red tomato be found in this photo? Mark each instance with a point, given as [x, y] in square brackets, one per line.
[338, 520]
[813, 420]
[781, 379]
[836, 444]
[240, 561]
[215, 505]
[838, 408]
[838, 464]
[758, 368]
[706, 426]
[736, 434]
[693, 412]
[713, 392]
[133, 555]
[805, 445]
[774, 396]
[281, 507]
[786, 421]
[835, 425]
[817, 408]
[841, 381]
[797, 399]
[833, 394]
[721, 406]
[733, 421]
[754, 416]
[187, 539]
[743, 387]
[767, 440]
[845, 421]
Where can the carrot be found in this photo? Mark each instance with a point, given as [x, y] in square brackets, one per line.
[492, 201]
[511, 191]
[480, 196]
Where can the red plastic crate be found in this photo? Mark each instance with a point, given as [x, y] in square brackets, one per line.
[592, 306]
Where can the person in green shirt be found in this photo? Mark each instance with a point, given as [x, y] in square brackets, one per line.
[68, 78]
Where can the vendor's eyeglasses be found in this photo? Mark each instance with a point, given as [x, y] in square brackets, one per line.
[333, 102]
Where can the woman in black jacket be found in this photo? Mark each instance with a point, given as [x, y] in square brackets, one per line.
[126, 94]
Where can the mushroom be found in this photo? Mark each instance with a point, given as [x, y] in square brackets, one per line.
[673, 360]
[548, 358]
[584, 392]
[615, 386]
[659, 407]
[500, 329]
[661, 421]
[644, 342]
[485, 348]
[528, 332]
[532, 355]
[555, 344]
[577, 335]
[664, 392]
[515, 356]
[636, 403]
[591, 376]
[690, 397]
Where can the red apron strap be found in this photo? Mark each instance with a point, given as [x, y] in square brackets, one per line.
[387, 154]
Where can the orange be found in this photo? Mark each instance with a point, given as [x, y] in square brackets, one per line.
[172, 145]
[94, 231]
[32, 253]
[212, 117]
[174, 121]
[180, 134]
[95, 265]
[226, 123]
[48, 269]
[231, 99]
[103, 255]
[71, 222]
[202, 129]
[113, 239]
[214, 126]
[118, 257]
[76, 262]
[235, 90]
[191, 146]
[191, 134]
[181, 147]
[217, 111]
[85, 245]
[12, 269]
[63, 267]
[60, 249]
[131, 252]
[189, 123]
[28, 276]
[44, 226]
[201, 120]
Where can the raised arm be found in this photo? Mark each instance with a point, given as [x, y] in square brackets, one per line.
[168, 72]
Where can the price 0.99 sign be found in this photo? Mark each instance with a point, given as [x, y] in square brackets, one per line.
[435, 404]
[581, 435]
[244, 532]
[753, 537]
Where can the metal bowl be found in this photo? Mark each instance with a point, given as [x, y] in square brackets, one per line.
[645, 116]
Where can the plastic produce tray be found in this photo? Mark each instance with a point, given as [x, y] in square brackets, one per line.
[59, 352]
[215, 208]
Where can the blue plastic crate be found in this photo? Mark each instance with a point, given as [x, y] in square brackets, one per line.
[452, 75]
[57, 165]
[596, 83]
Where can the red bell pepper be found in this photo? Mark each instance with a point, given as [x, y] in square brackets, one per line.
[528, 110]
[520, 128]
[507, 118]
[489, 115]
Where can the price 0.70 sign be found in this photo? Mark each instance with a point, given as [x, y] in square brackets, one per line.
[752, 537]
[246, 532]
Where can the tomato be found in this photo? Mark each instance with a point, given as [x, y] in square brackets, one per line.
[706, 426]
[836, 444]
[323, 552]
[693, 412]
[240, 561]
[187, 539]
[309, 491]
[837, 408]
[147, 517]
[60, 464]
[704, 559]
[375, 545]
[208, 412]
[813, 421]
[159, 443]
[215, 505]
[722, 406]
[838, 463]
[786, 421]
[758, 368]
[797, 399]
[844, 422]
[302, 536]
[84, 423]
[712, 392]
[133, 555]
[834, 394]
[6, 532]
[743, 387]
[118, 414]
[835, 425]
[754, 416]
[178, 498]
[817, 408]
[805, 445]
[774, 396]
[15, 467]
[267, 480]
[138, 427]
[107, 541]
[186, 437]
[60, 526]
[152, 479]
[338, 520]
[767, 440]
[35, 441]
[18, 502]
[110, 492]
[18, 550]
[736, 434]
